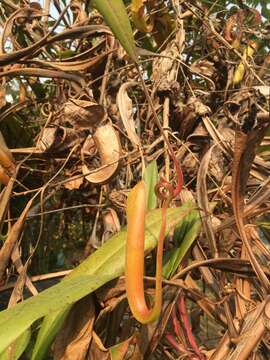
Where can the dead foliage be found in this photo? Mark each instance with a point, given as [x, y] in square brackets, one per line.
[79, 131]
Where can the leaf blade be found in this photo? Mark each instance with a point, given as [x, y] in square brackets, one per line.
[104, 265]
[115, 14]
[151, 178]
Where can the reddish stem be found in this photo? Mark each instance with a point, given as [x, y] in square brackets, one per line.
[179, 348]
[187, 327]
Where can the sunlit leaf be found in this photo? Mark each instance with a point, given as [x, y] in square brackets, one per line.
[15, 350]
[139, 17]
[49, 328]
[114, 13]
[105, 264]
[186, 235]
[151, 178]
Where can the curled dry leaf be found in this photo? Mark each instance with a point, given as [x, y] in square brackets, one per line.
[188, 117]
[58, 138]
[4, 178]
[51, 138]
[125, 107]
[6, 159]
[263, 90]
[199, 136]
[111, 290]
[109, 150]
[141, 20]
[73, 340]
[79, 13]
[246, 143]
[89, 147]
[73, 184]
[202, 198]
[97, 349]
[83, 114]
[199, 107]
[203, 67]
[111, 223]
[12, 238]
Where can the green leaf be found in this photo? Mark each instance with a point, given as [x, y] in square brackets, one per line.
[186, 235]
[115, 15]
[105, 264]
[51, 324]
[151, 178]
[15, 350]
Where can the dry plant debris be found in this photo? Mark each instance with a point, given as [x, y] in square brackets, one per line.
[76, 134]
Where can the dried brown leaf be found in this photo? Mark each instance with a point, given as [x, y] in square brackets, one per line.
[3, 100]
[109, 150]
[111, 223]
[263, 90]
[252, 331]
[17, 292]
[73, 340]
[97, 349]
[244, 154]
[202, 198]
[59, 138]
[74, 184]
[16, 259]
[4, 200]
[125, 107]
[89, 147]
[6, 158]
[111, 290]
[12, 238]
[165, 69]
[4, 178]
[52, 137]
[83, 114]
[203, 67]
[119, 351]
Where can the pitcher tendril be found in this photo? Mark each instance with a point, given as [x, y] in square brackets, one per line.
[134, 269]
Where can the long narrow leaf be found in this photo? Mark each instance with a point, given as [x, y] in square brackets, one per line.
[114, 13]
[104, 265]
[151, 178]
[49, 328]
[190, 228]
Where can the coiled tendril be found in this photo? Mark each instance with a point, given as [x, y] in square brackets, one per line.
[164, 189]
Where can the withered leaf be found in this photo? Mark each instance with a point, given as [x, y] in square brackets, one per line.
[111, 223]
[263, 90]
[58, 138]
[74, 184]
[72, 342]
[97, 349]
[125, 107]
[203, 202]
[139, 16]
[203, 67]
[89, 146]
[244, 153]
[109, 150]
[12, 238]
[83, 114]
[119, 351]
[4, 178]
